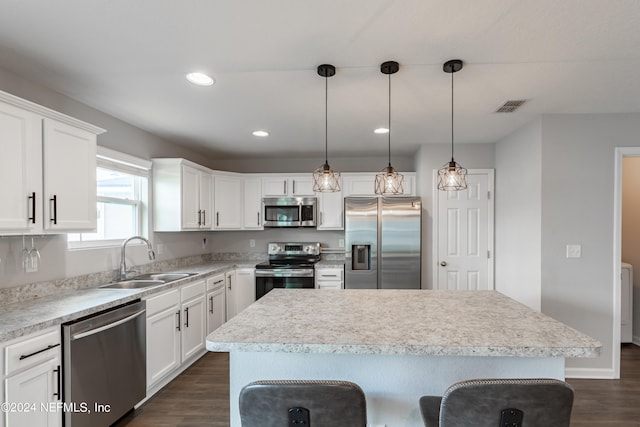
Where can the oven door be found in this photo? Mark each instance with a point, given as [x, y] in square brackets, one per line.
[283, 278]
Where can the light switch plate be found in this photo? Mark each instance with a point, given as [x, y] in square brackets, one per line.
[341, 243]
[252, 243]
[574, 251]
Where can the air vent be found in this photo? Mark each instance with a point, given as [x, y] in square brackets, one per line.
[511, 106]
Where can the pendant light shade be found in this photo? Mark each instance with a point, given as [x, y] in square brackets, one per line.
[388, 181]
[452, 176]
[325, 179]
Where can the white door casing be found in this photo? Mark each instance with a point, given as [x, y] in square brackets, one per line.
[463, 234]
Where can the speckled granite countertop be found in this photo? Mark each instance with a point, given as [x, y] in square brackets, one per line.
[25, 317]
[414, 322]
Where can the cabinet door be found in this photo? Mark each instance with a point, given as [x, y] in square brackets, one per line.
[163, 343]
[20, 170]
[331, 207]
[193, 322]
[302, 186]
[230, 294]
[69, 161]
[228, 203]
[359, 184]
[245, 288]
[35, 386]
[190, 198]
[216, 309]
[204, 200]
[276, 186]
[252, 204]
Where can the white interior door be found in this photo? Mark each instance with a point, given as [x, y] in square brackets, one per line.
[464, 234]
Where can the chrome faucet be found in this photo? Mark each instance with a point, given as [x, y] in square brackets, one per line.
[123, 263]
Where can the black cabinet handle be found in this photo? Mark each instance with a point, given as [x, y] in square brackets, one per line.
[32, 218]
[211, 304]
[186, 315]
[204, 217]
[199, 218]
[178, 314]
[49, 347]
[217, 219]
[258, 219]
[57, 393]
[55, 209]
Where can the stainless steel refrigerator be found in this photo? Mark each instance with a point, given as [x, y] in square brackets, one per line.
[382, 242]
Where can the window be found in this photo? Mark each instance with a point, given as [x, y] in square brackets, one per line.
[122, 201]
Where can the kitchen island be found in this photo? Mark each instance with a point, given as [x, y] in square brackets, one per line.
[397, 345]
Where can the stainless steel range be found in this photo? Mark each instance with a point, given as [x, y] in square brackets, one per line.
[290, 265]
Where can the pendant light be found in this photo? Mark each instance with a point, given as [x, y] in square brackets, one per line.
[452, 176]
[326, 180]
[388, 181]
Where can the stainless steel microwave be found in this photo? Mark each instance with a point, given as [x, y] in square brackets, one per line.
[289, 211]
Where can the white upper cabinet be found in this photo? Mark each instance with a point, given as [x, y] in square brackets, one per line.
[292, 185]
[69, 159]
[21, 166]
[181, 196]
[252, 204]
[50, 160]
[330, 211]
[363, 184]
[228, 202]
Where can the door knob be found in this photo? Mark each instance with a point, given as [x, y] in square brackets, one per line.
[443, 263]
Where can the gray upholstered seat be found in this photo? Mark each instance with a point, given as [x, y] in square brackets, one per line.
[329, 404]
[479, 403]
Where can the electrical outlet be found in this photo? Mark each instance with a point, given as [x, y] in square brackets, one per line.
[204, 243]
[574, 251]
[159, 249]
[341, 243]
[252, 243]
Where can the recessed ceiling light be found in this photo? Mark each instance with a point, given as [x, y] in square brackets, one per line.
[381, 130]
[200, 79]
[260, 133]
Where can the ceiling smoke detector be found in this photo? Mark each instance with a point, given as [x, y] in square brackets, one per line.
[511, 106]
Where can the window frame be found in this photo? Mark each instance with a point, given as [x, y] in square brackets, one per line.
[131, 165]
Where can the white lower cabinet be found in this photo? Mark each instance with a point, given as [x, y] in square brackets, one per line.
[216, 305]
[241, 290]
[32, 383]
[329, 278]
[175, 329]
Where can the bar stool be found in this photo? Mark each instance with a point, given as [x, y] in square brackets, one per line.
[299, 403]
[500, 403]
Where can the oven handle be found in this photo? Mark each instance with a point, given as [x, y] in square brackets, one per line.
[284, 273]
[107, 326]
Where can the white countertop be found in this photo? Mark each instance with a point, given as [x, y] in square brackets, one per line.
[413, 322]
[22, 318]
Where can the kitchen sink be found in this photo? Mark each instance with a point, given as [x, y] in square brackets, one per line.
[147, 280]
[165, 277]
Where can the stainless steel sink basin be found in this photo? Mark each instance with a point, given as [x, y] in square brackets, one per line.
[133, 284]
[165, 277]
[147, 280]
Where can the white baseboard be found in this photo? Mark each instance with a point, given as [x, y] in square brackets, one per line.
[590, 373]
[636, 340]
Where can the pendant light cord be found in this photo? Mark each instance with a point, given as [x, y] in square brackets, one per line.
[326, 120]
[389, 75]
[452, 116]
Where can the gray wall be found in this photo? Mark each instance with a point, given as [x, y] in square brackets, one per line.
[518, 212]
[577, 208]
[340, 164]
[431, 157]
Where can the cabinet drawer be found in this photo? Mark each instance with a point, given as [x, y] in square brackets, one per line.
[193, 290]
[329, 274]
[32, 351]
[162, 302]
[215, 282]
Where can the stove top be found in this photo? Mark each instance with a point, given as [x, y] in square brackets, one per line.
[291, 255]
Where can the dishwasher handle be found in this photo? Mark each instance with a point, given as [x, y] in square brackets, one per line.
[107, 326]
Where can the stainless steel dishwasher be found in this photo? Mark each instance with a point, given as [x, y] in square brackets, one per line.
[104, 368]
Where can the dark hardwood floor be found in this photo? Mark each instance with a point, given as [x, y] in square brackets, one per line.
[200, 397]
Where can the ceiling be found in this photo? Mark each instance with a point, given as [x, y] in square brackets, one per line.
[129, 59]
